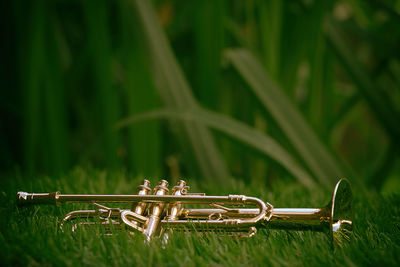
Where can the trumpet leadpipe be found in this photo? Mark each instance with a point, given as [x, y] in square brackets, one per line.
[24, 198]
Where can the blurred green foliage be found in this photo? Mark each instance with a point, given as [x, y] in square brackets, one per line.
[316, 83]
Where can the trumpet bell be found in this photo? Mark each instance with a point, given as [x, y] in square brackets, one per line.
[335, 219]
[341, 217]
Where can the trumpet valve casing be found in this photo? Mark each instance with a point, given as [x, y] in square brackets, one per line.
[143, 189]
[175, 209]
[155, 210]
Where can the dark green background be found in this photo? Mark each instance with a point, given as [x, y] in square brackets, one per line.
[72, 70]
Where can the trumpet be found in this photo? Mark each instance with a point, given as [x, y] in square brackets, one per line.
[160, 213]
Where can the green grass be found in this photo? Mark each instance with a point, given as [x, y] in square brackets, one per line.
[31, 236]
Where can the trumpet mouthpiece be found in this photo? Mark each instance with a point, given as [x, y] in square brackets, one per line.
[24, 198]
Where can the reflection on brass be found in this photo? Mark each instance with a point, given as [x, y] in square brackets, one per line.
[160, 213]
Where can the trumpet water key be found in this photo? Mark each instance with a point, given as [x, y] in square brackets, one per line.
[161, 213]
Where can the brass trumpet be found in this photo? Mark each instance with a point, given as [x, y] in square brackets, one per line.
[160, 213]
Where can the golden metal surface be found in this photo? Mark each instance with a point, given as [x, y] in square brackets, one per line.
[159, 214]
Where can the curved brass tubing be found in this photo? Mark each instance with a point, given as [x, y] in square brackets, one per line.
[160, 213]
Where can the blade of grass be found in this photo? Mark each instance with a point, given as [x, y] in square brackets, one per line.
[380, 106]
[295, 127]
[320, 63]
[175, 92]
[234, 128]
[320, 89]
[208, 43]
[107, 100]
[270, 18]
[270, 34]
[295, 30]
[32, 87]
[144, 141]
[54, 105]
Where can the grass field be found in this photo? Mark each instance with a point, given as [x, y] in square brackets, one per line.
[31, 236]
